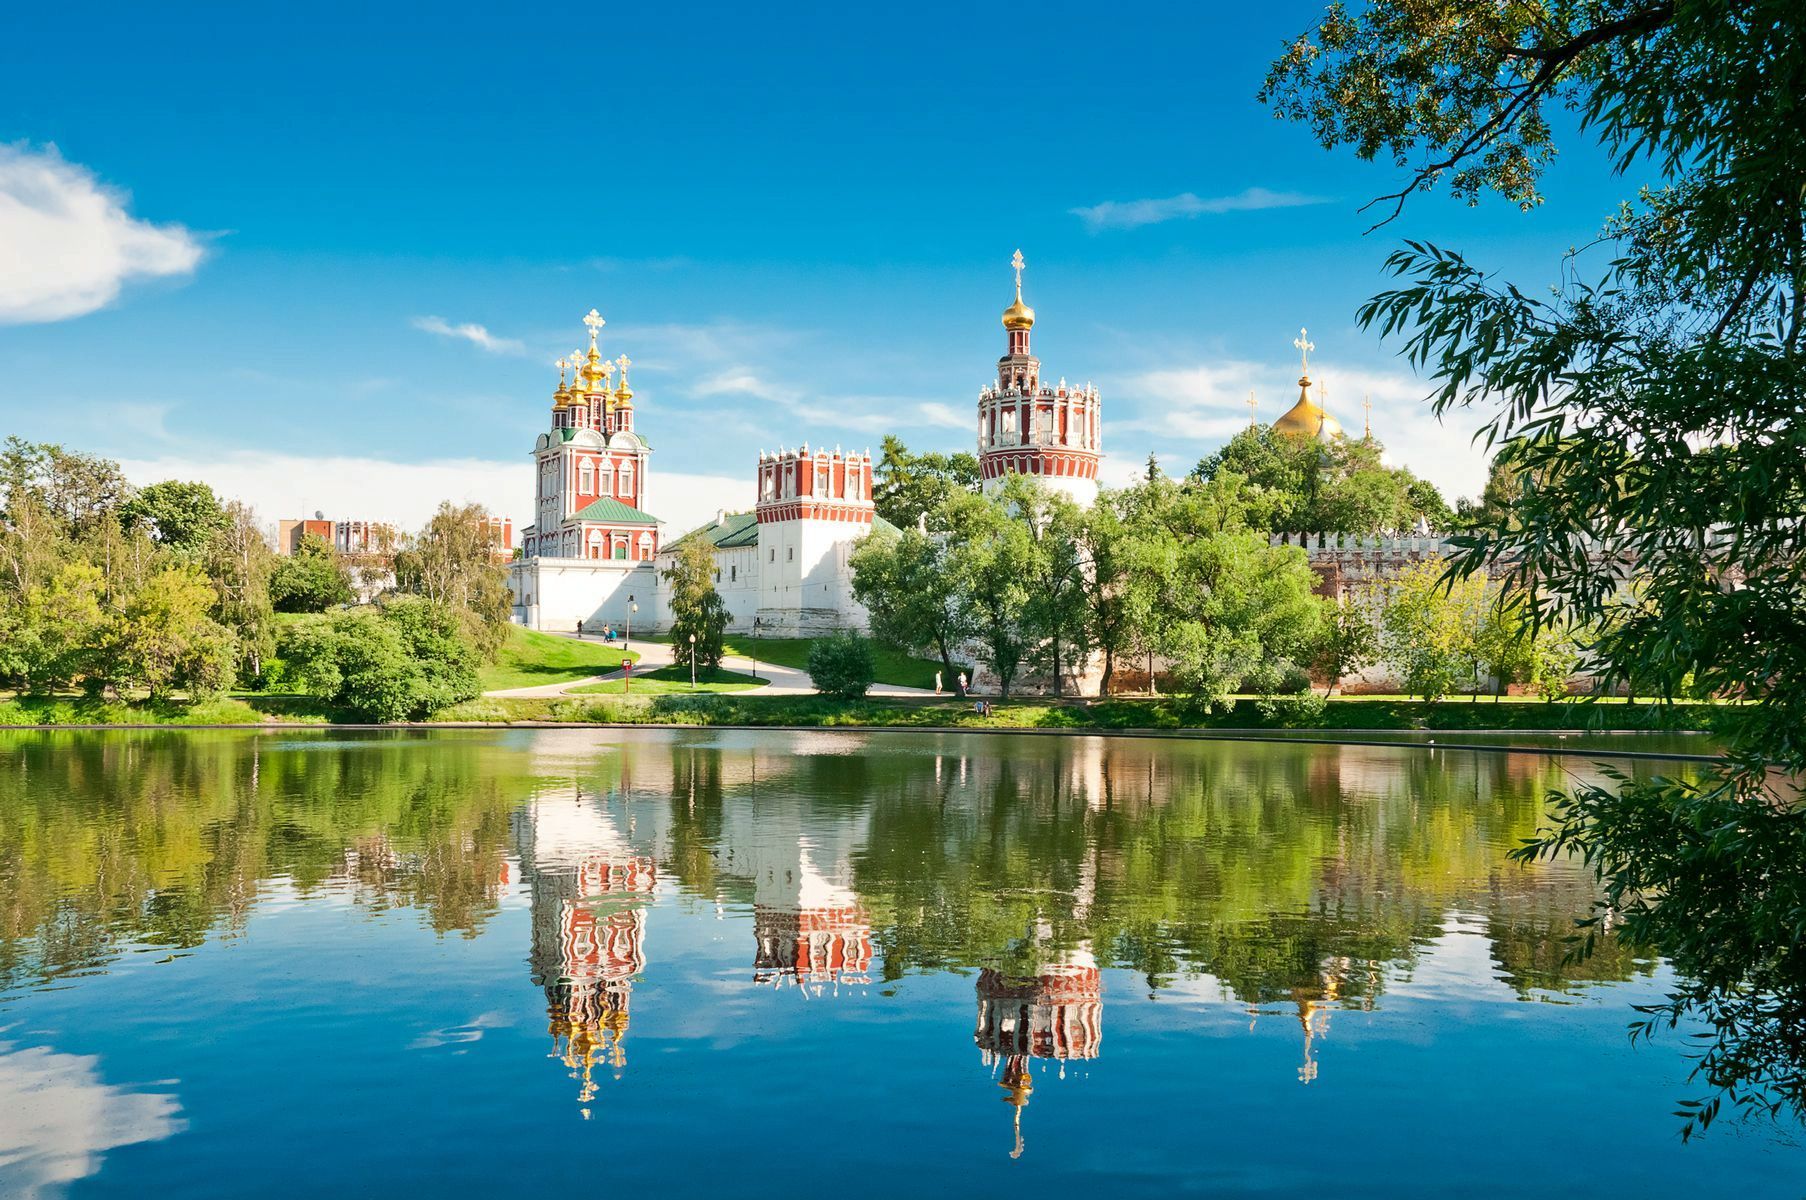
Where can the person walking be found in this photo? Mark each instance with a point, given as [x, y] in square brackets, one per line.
[937, 683]
[962, 683]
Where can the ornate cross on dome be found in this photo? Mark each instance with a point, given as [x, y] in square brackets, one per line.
[561, 366]
[1305, 346]
[1367, 404]
[595, 322]
[1016, 262]
[1252, 419]
[624, 363]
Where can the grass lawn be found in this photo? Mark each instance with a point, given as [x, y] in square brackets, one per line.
[893, 666]
[673, 679]
[530, 659]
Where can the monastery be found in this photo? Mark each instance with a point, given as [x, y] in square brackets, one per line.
[595, 556]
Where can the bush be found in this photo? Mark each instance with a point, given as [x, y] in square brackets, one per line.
[841, 665]
[405, 661]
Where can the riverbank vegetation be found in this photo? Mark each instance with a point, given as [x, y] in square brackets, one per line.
[137, 599]
[1645, 394]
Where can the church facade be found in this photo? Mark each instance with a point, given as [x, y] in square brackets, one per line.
[595, 557]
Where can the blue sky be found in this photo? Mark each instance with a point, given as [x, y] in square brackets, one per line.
[230, 239]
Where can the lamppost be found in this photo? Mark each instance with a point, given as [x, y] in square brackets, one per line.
[755, 648]
[692, 662]
[631, 609]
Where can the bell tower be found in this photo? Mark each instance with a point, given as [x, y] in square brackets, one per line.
[1028, 428]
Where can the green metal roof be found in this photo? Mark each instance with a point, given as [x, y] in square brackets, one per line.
[740, 529]
[610, 511]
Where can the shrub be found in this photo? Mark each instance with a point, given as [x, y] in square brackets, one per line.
[841, 665]
[402, 662]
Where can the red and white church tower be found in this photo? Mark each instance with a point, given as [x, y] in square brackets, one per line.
[589, 553]
[1052, 434]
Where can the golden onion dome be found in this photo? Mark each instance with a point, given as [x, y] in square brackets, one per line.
[1306, 419]
[1018, 315]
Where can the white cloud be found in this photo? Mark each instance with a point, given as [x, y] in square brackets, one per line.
[1207, 402]
[405, 494]
[61, 1119]
[67, 243]
[1132, 214]
[469, 331]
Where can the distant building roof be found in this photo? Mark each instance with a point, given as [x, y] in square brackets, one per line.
[734, 530]
[610, 511]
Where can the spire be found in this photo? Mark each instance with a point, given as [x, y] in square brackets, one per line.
[1367, 406]
[563, 392]
[1253, 420]
[1018, 315]
[623, 393]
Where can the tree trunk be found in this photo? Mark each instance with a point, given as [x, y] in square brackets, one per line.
[1056, 667]
[1103, 687]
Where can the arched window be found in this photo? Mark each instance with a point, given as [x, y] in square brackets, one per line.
[620, 548]
[855, 481]
[595, 544]
[586, 478]
[607, 486]
[646, 550]
[627, 480]
[824, 474]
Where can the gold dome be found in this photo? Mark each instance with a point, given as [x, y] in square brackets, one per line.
[1305, 419]
[1019, 315]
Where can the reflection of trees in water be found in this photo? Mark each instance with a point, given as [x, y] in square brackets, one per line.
[161, 837]
[1256, 865]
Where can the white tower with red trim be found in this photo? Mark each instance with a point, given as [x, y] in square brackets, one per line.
[814, 504]
[1052, 434]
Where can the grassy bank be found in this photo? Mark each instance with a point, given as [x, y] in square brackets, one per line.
[531, 659]
[889, 665]
[672, 679]
[1353, 714]
[677, 706]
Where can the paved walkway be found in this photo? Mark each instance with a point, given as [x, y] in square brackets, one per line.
[780, 681]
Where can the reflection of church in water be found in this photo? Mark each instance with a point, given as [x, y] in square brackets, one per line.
[1056, 1016]
[590, 892]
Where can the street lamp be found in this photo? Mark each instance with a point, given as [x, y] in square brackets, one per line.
[692, 662]
[631, 609]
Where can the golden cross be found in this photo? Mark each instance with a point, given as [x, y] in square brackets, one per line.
[625, 362]
[1305, 346]
[561, 366]
[595, 322]
[1252, 421]
[1016, 262]
[1367, 403]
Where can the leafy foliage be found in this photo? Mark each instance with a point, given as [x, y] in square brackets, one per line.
[402, 661]
[453, 562]
[697, 609]
[183, 516]
[311, 580]
[1302, 485]
[907, 584]
[1648, 409]
[906, 487]
[840, 665]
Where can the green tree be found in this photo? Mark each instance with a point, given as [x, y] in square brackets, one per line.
[78, 491]
[991, 554]
[840, 665]
[908, 486]
[697, 609]
[164, 639]
[311, 580]
[1056, 611]
[239, 563]
[1302, 485]
[1652, 400]
[402, 661]
[50, 639]
[453, 562]
[1430, 627]
[182, 516]
[1349, 640]
[906, 583]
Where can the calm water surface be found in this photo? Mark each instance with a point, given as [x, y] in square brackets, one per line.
[758, 964]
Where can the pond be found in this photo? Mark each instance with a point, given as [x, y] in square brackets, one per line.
[481, 962]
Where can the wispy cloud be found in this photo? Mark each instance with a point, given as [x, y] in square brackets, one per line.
[1132, 214]
[477, 335]
[68, 243]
